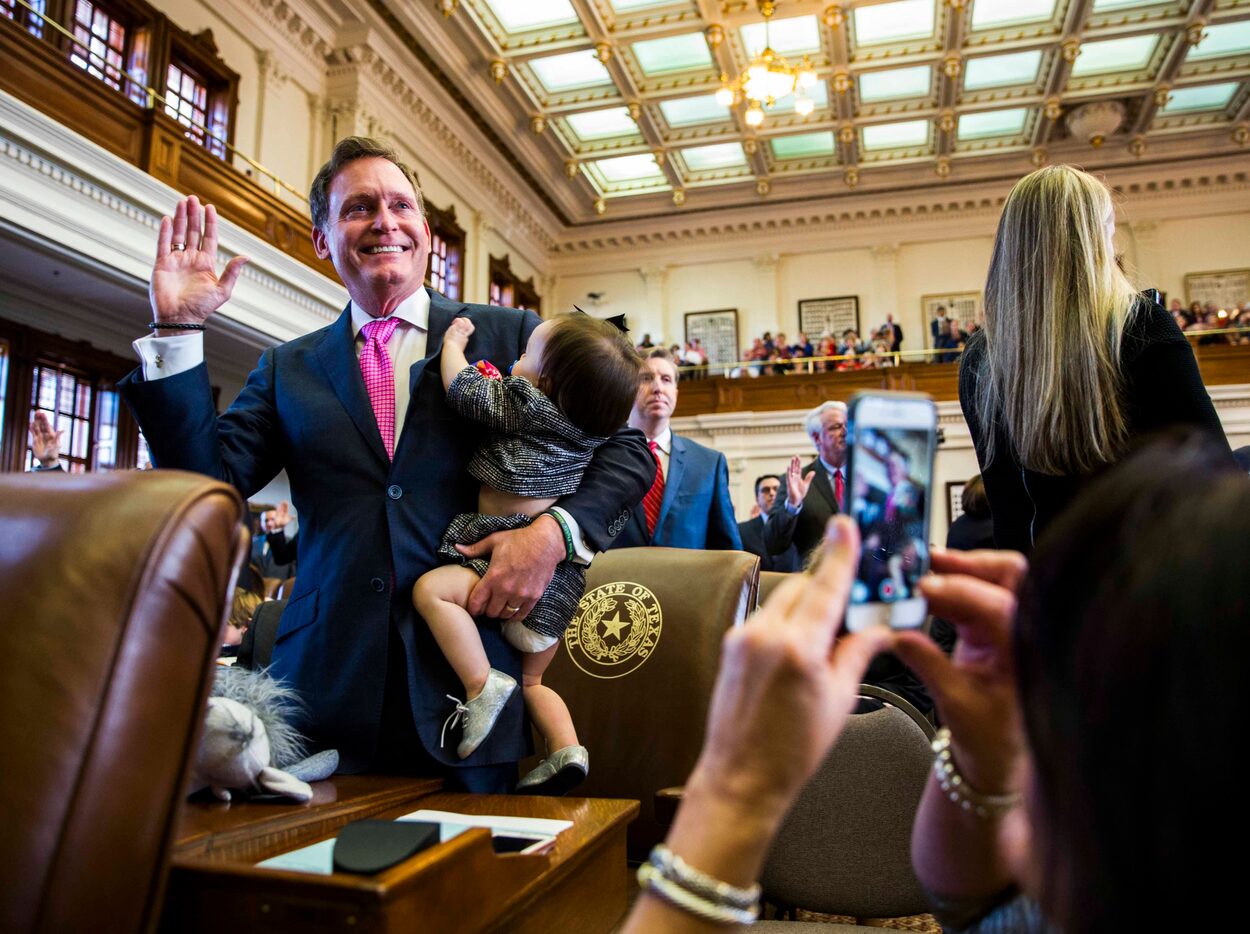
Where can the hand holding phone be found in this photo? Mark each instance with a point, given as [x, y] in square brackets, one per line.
[891, 441]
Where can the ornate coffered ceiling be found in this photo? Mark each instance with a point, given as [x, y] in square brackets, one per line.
[609, 107]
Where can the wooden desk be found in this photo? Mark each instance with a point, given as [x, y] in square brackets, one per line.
[459, 886]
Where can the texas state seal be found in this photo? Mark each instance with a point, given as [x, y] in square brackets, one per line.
[616, 629]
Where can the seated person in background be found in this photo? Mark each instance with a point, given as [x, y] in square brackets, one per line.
[1063, 747]
[975, 526]
[1073, 808]
[242, 608]
[570, 391]
[45, 443]
[688, 505]
[752, 531]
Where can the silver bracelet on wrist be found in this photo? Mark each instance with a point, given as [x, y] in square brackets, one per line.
[958, 790]
[674, 880]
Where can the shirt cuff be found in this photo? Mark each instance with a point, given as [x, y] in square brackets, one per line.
[583, 554]
[790, 509]
[168, 356]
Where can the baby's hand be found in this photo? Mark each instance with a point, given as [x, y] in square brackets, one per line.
[458, 333]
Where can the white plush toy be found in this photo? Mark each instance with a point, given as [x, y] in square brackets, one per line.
[249, 744]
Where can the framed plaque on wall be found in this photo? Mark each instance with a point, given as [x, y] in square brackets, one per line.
[960, 306]
[717, 331]
[954, 500]
[1225, 288]
[821, 317]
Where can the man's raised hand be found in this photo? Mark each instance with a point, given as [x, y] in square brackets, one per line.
[185, 287]
[797, 485]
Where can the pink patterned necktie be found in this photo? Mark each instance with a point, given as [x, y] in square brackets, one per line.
[379, 374]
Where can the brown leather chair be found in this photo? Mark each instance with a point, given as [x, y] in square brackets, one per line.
[638, 663]
[770, 581]
[114, 588]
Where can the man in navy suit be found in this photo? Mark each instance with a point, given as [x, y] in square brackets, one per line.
[376, 476]
[688, 505]
[752, 531]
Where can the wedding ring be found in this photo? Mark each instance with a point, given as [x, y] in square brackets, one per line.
[178, 246]
[511, 609]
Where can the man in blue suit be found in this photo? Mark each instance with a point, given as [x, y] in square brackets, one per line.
[377, 469]
[688, 505]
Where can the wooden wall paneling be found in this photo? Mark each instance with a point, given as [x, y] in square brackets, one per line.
[38, 74]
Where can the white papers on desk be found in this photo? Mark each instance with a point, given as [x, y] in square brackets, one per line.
[318, 859]
[453, 824]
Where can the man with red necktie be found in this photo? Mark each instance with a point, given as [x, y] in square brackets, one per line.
[814, 491]
[377, 463]
[688, 504]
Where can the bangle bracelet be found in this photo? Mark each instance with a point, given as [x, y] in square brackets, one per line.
[570, 551]
[174, 326]
[958, 790]
[651, 879]
[677, 870]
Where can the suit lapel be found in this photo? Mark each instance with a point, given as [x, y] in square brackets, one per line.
[337, 355]
[820, 483]
[676, 467]
[442, 312]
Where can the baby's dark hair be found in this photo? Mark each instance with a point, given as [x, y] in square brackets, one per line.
[591, 372]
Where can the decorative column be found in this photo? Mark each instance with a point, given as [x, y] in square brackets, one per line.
[653, 318]
[477, 287]
[885, 262]
[767, 314]
[1141, 239]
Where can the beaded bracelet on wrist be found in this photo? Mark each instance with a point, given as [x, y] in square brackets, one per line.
[174, 326]
[651, 879]
[958, 790]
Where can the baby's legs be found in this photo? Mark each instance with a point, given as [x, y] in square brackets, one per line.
[440, 596]
[545, 707]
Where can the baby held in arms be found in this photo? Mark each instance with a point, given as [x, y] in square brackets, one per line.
[570, 391]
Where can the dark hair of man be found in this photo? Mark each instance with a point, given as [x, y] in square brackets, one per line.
[973, 500]
[767, 476]
[663, 353]
[590, 371]
[1130, 649]
[349, 150]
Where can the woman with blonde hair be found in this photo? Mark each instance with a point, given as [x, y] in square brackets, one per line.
[1072, 364]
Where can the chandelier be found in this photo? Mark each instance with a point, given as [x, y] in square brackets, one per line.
[768, 79]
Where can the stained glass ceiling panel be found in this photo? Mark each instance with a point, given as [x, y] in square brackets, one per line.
[793, 36]
[1221, 40]
[987, 14]
[688, 111]
[720, 156]
[602, 124]
[524, 15]
[1204, 97]
[895, 135]
[623, 5]
[630, 168]
[894, 22]
[993, 123]
[804, 145]
[895, 83]
[574, 70]
[1101, 6]
[1131, 53]
[675, 53]
[999, 71]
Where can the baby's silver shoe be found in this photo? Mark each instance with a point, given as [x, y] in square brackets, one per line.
[478, 716]
[558, 774]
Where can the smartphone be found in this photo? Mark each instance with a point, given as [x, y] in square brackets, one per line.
[891, 440]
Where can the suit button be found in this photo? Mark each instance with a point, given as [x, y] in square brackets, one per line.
[394, 491]
[377, 584]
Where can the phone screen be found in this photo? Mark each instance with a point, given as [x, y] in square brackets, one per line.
[892, 442]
